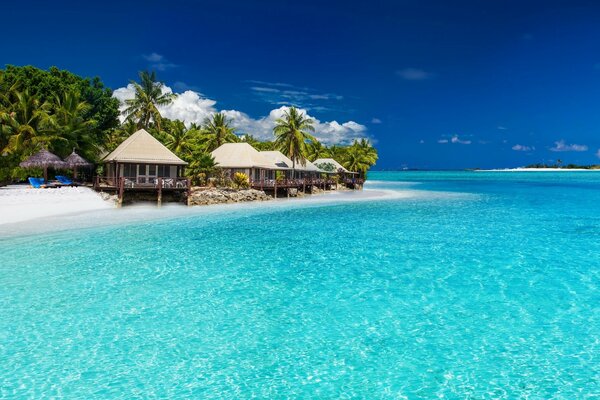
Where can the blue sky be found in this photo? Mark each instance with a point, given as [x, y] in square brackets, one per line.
[436, 84]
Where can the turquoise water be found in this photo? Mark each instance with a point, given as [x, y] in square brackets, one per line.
[477, 285]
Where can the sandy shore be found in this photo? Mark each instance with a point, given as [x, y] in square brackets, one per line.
[22, 203]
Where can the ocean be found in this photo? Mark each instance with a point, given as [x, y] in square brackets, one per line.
[425, 285]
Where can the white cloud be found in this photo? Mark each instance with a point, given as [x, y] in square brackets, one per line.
[562, 146]
[598, 153]
[520, 147]
[502, 128]
[192, 107]
[376, 121]
[454, 139]
[414, 74]
[158, 61]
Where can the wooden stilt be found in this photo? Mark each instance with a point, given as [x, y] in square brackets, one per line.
[159, 200]
[121, 192]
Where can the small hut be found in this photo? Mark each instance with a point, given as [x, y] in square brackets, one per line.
[44, 159]
[75, 161]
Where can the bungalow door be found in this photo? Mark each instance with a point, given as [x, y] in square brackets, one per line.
[147, 174]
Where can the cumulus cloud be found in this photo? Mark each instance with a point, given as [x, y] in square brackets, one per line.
[562, 146]
[520, 147]
[414, 74]
[192, 107]
[375, 121]
[158, 61]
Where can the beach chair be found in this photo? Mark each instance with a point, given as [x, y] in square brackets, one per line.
[64, 180]
[39, 183]
[35, 182]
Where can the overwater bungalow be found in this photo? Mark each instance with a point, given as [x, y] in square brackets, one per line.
[143, 164]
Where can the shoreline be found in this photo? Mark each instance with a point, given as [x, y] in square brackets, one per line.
[103, 213]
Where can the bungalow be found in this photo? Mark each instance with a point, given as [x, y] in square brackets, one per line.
[143, 164]
[242, 157]
[141, 159]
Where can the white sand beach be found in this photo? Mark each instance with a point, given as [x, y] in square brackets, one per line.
[22, 203]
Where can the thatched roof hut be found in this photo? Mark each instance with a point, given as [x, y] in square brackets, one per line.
[43, 159]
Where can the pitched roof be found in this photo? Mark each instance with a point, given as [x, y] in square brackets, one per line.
[142, 147]
[240, 155]
[282, 160]
[277, 158]
[336, 164]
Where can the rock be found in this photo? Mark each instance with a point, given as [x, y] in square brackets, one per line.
[207, 196]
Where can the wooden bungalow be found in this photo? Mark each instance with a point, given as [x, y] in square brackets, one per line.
[142, 163]
[349, 178]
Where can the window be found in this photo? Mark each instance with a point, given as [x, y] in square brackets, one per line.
[164, 171]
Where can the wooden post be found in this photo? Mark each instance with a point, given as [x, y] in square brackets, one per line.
[159, 183]
[275, 188]
[189, 191]
[121, 192]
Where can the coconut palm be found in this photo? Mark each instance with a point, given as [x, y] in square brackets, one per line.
[25, 124]
[69, 122]
[181, 140]
[316, 150]
[149, 95]
[359, 157]
[217, 131]
[292, 135]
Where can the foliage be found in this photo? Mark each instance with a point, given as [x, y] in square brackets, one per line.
[279, 176]
[240, 180]
[149, 95]
[291, 135]
[217, 131]
[61, 111]
[328, 167]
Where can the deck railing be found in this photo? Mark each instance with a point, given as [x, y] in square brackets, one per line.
[141, 182]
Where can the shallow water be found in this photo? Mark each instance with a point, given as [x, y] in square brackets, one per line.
[475, 285]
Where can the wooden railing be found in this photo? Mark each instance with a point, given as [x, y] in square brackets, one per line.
[140, 183]
[290, 183]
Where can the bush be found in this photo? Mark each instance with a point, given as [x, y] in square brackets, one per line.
[241, 181]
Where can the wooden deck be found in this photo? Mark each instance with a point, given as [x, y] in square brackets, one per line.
[121, 185]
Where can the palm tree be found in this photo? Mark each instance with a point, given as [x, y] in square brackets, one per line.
[291, 135]
[149, 95]
[359, 157]
[181, 140]
[25, 124]
[316, 150]
[216, 131]
[69, 122]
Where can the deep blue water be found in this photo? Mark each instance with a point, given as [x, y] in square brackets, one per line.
[477, 285]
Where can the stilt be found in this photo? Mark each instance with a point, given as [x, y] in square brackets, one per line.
[121, 192]
[159, 200]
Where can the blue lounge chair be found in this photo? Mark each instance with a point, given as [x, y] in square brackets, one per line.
[63, 180]
[36, 183]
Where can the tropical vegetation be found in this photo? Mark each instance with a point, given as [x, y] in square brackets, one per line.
[60, 111]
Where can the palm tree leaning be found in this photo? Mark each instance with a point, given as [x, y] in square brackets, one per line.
[217, 131]
[143, 108]
[292, 134]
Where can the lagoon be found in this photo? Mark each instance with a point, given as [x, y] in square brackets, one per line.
[445, 284]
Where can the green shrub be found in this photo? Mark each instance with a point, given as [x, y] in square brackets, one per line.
[241, 181]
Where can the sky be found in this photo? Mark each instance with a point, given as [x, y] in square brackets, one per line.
[433, 84]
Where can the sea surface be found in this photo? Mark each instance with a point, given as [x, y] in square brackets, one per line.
[476, 285]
